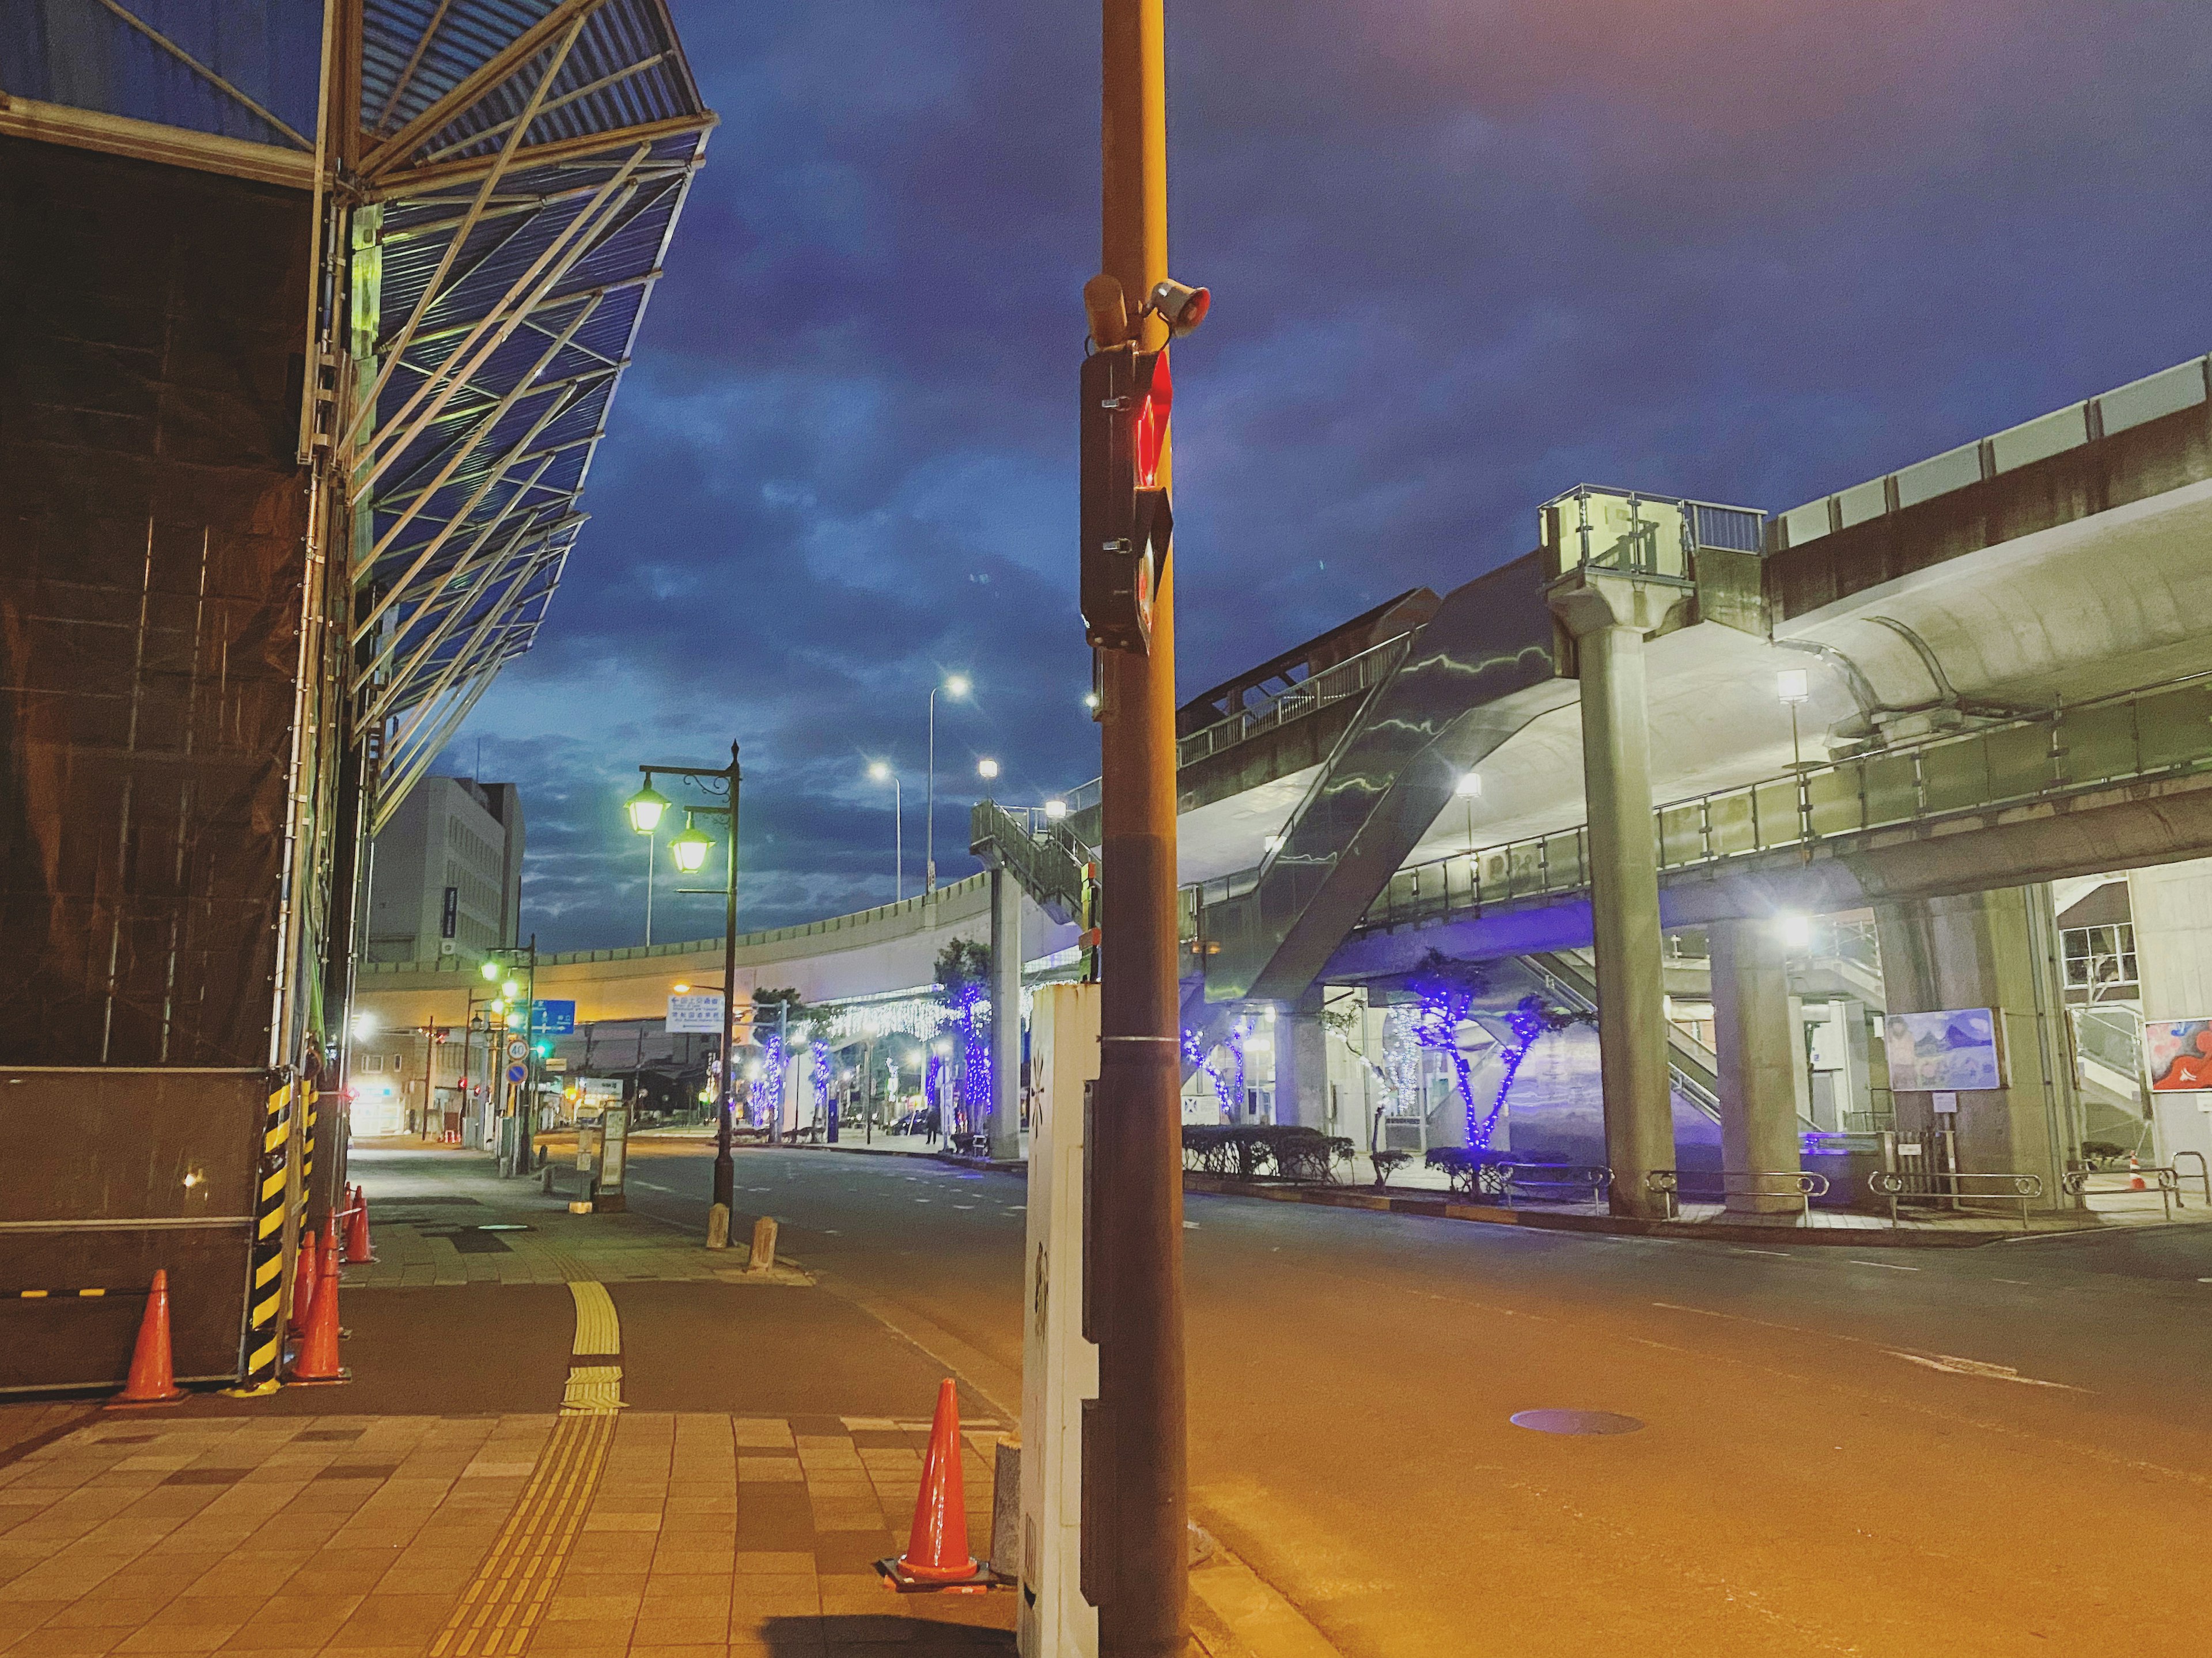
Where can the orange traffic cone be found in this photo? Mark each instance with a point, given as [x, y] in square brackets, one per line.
[318, 1357]
[153, 1376]
[357, 1252]
[2135, 1174]
[937, 1555]
[305, 1264]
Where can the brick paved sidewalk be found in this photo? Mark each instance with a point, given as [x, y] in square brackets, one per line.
[588, 1535]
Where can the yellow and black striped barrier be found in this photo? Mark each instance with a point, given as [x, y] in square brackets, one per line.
[264, 1321]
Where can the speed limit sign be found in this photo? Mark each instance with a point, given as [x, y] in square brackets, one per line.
[515, 1048]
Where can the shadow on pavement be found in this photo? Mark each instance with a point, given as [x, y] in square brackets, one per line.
[934, 1632]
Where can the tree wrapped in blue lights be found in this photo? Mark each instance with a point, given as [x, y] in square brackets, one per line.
[1229, 1097]
[964, 981]
[824, 1077]
[1447, 990]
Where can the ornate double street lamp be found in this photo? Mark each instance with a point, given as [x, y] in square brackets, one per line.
[647, 808]
[689, 849]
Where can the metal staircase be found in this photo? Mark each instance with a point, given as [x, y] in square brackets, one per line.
[1041, 853]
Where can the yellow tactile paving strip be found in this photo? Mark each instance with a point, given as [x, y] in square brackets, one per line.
[598, 1330]
[507, 1596]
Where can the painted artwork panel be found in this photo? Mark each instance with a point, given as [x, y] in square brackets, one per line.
[1952, 1050]
[2179, 1054]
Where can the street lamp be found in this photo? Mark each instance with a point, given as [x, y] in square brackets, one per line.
[1793, 687]
[1054, 811]
[645, 808]
[1469, 789]
[988, 771]
[491, 970]
[957, 687]
[691, 848]
[880, 770]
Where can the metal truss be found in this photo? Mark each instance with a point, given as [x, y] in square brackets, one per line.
[514, 191]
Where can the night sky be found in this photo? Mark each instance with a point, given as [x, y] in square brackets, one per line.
[1465, 254]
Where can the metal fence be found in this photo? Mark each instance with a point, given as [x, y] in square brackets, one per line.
[1802, 1185]
[2136, 736]
[1951, 1191]
[1355, 675]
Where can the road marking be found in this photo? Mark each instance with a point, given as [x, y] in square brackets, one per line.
[1886, 1265]
[963, 1205]
[652, 1186]
[1951, 1366]
[1190, 1226]
[502, 1604]
[1781, 1254]
[2024, 1284]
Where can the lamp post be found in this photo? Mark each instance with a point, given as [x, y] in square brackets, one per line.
[1793, 686]
[646, 808]
[881, 771]
[1469, 789]
[690, 848]
[988, 771]
[954, 686]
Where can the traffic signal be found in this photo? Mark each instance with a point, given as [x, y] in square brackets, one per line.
[542, 1049]
[1126, 527]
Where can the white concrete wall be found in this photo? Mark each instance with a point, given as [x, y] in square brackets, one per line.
[2171, 904]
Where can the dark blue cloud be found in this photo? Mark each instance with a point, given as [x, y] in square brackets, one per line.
[1466, 255]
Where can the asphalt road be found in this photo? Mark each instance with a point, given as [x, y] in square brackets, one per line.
[1996, 1450]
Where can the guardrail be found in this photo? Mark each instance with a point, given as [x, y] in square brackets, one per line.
[1354, 676]
[2164, 1179]
[2135, 735]
[2003, 1186]
[1801, 1184]
[1539, 1178]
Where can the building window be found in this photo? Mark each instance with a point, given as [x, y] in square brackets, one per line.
[372, 1062]
[2101, 961]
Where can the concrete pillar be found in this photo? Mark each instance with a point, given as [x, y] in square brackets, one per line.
[1301, 1064]
[1754, 1034]
[1005, 1015]
[1997, 949]
[1609, 617]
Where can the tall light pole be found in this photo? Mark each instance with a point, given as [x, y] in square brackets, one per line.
[1134, 1511]
[645, 808]
[881, 772]
[690, 848]
[1469, 789]
[954, 686]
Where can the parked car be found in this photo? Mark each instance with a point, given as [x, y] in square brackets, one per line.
[922, 1121]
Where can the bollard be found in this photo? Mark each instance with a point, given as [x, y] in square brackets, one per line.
[763, 1245]
[718, 1226]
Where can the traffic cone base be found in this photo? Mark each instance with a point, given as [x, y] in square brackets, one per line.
[937, 1557]
[153, 1379]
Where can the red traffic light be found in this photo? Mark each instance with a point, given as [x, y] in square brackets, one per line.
[1149, 429]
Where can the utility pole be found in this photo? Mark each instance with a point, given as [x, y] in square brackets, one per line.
[1134, 1500]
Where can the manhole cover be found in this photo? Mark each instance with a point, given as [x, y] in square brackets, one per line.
[1575, 1422]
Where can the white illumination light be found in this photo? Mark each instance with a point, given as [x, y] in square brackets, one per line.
[956, 684]
[987, 768]
[1056, 809]
[1793, 686]
[1797, 931]
[1469, 787]
[364, 1023]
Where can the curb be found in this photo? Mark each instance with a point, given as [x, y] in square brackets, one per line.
[1619, 1225]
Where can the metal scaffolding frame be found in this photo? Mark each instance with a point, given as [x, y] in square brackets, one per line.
[507, 199]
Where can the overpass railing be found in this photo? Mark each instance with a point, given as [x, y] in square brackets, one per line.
[2138, 736]
[1354, 676]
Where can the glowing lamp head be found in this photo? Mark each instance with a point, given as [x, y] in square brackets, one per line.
[1056, 809]
[511, 989]
[491, 970]
[1793, 686]
[1797, 931]
[690, 848]
[1090, 700]
[1469, 787]
[364, 1024]
[957, 684]
[987, 769]
[681, 990]
[645, 808]
[879, 771]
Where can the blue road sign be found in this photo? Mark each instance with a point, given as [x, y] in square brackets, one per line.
[556, 1019]
[516, 1073]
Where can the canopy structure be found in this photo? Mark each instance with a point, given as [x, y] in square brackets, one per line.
[518, 171]
[494, 186]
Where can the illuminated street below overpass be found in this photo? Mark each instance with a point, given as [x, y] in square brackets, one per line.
[1877, 1451]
